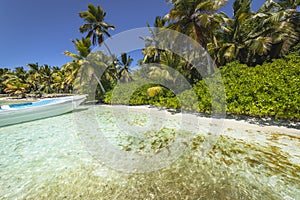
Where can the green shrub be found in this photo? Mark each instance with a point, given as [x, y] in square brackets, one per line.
[271, 89]
[135, 93]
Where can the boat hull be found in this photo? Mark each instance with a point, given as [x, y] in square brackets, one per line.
[15, 116]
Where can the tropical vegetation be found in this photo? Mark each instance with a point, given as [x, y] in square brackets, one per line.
[257, 53]
[270, 89]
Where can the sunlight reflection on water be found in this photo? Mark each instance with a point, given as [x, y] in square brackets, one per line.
[47, 158]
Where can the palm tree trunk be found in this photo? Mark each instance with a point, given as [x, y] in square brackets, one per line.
[101, 86]
[107, 49]
[199, 36]
[110, 53]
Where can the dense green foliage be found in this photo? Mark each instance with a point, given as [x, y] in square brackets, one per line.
[249, 37]
[271, 89]
[135, 93]
[37, 80]
[258, 56]
[268, 90]
[255, 37]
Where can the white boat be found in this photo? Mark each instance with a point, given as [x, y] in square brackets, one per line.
[17, 113]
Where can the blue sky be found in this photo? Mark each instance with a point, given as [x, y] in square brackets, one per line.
[40, 30]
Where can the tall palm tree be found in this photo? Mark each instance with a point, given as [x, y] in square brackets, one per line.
[124, 68]
[95, 26]
[152, 51]
[82, 60]
[196, 18]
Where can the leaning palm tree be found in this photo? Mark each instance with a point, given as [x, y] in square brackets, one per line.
[84, 48]
[82, 60]
[196, 18]
[151, 51]
[95, 26]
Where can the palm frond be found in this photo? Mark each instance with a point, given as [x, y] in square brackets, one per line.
[260, 45]
[73, 55]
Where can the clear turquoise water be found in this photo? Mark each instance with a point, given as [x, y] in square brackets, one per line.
[5, 102]
[33, 152]
[28, 103]
[38, 103]
[51, 157]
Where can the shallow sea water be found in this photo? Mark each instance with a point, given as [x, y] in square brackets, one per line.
[64, 157]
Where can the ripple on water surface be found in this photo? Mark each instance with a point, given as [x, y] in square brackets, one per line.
[46, 159]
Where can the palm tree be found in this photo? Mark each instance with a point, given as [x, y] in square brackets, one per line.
[14, 84]
[154, 54]
[196, 18]
[34, 78]
[46, 79]
[124, 71]
[232, 36]
[20, 73]
[163, 71]
[3, 75]
[17, 87]
[82, 61]
[59, 83]
[279, 22]
[84, 48]
[255, 37]
[95, 27]
[98, 70]
[152, 51]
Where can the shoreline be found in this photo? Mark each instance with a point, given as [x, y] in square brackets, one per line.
[254, 120]
[266, 135]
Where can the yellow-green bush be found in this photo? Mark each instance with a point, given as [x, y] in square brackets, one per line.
[153, 91]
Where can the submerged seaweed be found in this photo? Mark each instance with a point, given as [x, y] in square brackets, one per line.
[40, 160]
[234, 169]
